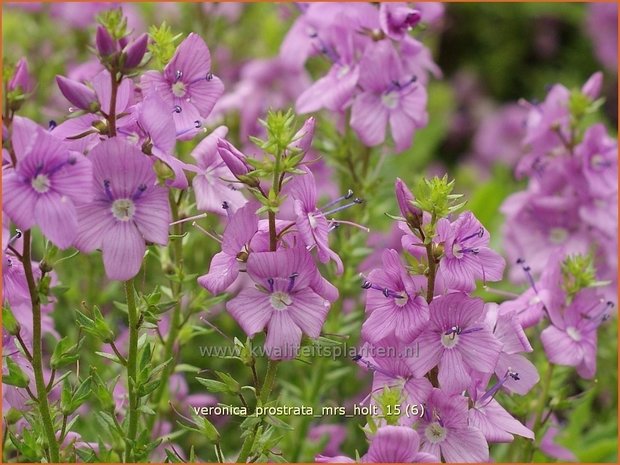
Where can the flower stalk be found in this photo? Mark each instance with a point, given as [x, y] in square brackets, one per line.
[37, 353]
[132, 370]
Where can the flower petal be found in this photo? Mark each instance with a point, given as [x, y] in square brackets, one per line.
[123, 250]
[252, 309]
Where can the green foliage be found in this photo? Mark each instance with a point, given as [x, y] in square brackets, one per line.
[163, 44]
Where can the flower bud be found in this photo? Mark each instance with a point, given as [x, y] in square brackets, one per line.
[106, 45]
[397, 18]
[21, 77]
[592, 87]
[233, 158]
[134, 52]
[302, 140]
[77, 93]
[405, 199]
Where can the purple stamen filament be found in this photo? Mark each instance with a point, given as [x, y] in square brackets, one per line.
[527, 270]
[139, 191]
[270, 282]
[356, 201]
[347, 196]
[291, 281]
[386, 292]
[490, 394]
[108, 191]
[478, 233]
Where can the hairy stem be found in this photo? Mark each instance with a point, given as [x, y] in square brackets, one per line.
[37, 353]
[132, 370]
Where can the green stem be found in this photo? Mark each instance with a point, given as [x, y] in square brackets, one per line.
[540, 409]
[37, 353]
[175, 319]
[132, 370]
[317, 381]
[270, 377]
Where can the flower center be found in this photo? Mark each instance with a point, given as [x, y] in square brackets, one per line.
[123, 209]
[390, 100]
[178, 89]
[343, 71]
[534, 300]
[41, 183]
[573, 334]
[312, 220]
[402, 299]
[558, 235]
[280, 300]
[451, 337]
[435, 433]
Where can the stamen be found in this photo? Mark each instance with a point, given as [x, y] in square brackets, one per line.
[453, 332]
[473, 250]
[356, 201]
[371, 366]
[139, 192]
[336, 223]
[177, 109]
[478, 233]
[527, 270]
[18, 234]
[470, 330]
[270, 282]
[178, 75]
[108, 191]
[197, 125]
[384, 290]
[347, 196]
[490, 394]
[51, 125]
[291, 282]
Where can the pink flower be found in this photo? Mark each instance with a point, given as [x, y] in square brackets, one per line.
[457, 340]
[394, 305]
[445, 432]
[571, 340]
[388, 97]
[312, 224]
[467, 255]
[224, 267]
[47, 184]
[187, 85]
[213, 183]
[129, 209]
[397, 444]
[397, 18]
[284, 300]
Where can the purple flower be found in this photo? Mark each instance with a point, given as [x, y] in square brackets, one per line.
[467, 256]
[396, 444]
[187, 85]
[153, 130]
[405, 200]
[397, 18]
[224, 267]
[312, 224]
[394, 305]
[134, 51]
[572, 340]
[514, 372]
[45, 187]
[388, 97]
[213, 182]
[492, 419]
[106, 45]
[334, 90]
[457, 340]
[14, 285]
[128, 210]
[391, 366]
[283, 300]
[445, 431]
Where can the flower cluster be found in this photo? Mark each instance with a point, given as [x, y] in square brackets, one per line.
[561, 231]
[287, 295]
[434, 349]
[378, 71]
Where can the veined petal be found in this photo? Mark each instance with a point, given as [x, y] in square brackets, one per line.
[205, 94]
[465, 445]
[283, 337]
[18, 199]
[369, 118]
[94, 221]
[251, 309]
[309, 311]
[453, 374]
[223, 271]
[56, 216]
[123, 250]
[152, 215]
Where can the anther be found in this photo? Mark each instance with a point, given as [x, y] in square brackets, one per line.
[52, 125]
[178, 75]
[108, 191]
[291, 282]
[270, 282]
[176, 109]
